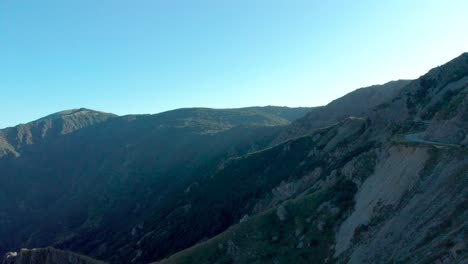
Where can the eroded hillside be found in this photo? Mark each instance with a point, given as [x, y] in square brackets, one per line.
[390, 188]
[386, 185]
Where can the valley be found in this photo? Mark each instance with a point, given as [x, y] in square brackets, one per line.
[379, 175]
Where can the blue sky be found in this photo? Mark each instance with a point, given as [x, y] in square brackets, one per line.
[148, 56]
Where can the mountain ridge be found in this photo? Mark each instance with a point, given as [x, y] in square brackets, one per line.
[408, 175]
[148, 150]
[385, 182]
[356, 103]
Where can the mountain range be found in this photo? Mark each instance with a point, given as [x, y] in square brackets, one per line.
[376, 176]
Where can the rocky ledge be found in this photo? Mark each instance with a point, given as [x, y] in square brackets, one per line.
[46, 256]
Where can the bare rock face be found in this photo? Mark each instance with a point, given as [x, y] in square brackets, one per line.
[46, 256]
[282, 213]
[10, 258]
[394, 184]
[393, 177]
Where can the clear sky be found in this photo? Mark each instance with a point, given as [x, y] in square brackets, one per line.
[148, 56]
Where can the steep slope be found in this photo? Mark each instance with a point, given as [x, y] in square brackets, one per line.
[386, 189]
[424, 218]
[357, 103]
[87, 169]
[297, 178]
[438, 98]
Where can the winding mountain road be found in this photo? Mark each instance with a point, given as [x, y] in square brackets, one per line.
[416, 138]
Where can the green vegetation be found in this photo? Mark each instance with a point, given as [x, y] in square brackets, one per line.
[327, 135]
[407, 127]
[136, 189]
[359, 232]
[445, 108]
[304, 236]
[236, 189]
[88, 168]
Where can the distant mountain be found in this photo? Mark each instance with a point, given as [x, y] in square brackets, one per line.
[289, 113]
[377, 176]
[356, 103]
[87, 168]
[380, 189]
[13, 139]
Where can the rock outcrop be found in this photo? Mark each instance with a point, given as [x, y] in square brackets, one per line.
[46, 256]
[381, 184]
[391, 188]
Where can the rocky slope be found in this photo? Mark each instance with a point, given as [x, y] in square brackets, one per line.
[388, 185]
[361, 191]
[357, 103]
[46, 256]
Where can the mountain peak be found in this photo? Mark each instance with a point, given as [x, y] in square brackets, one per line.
[78, 111]
[60, 123]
